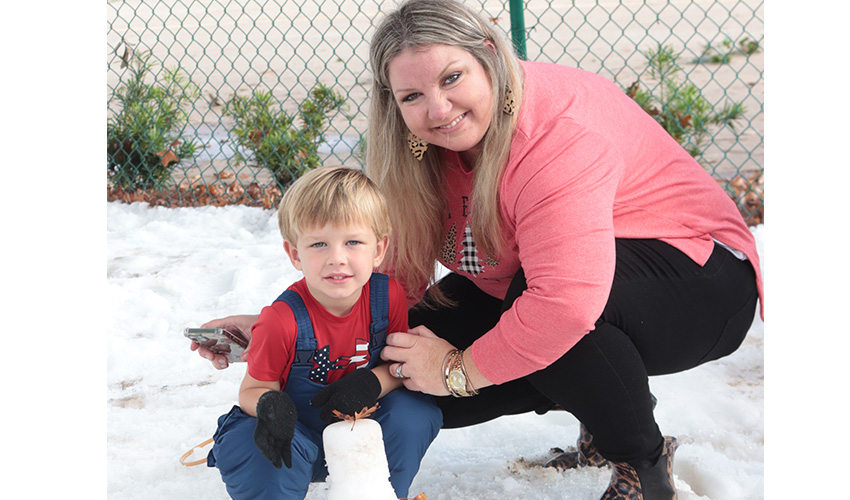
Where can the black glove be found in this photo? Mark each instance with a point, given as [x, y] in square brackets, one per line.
[276, 417]
[348, 395]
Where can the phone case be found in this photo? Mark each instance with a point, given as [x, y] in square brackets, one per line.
[219, 341]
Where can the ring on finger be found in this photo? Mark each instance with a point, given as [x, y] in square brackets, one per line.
[398, 373]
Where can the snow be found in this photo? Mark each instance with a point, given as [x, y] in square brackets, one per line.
[168, 269]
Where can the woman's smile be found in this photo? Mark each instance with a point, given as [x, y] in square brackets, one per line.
[453, 123]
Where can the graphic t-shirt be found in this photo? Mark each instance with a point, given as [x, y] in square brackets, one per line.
[342, 341]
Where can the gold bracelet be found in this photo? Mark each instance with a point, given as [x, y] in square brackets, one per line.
[446, 367]
[470, 389]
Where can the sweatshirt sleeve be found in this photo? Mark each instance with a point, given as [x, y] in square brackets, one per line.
[557, 197]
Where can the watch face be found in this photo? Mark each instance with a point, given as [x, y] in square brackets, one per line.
[457, 380]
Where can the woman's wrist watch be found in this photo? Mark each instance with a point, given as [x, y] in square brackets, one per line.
[455, 378]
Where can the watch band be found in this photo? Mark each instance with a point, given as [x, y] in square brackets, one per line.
[456, 365]
[470, 389]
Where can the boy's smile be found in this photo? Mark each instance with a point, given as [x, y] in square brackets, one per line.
[337, 261]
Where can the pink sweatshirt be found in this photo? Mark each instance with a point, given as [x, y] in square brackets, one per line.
[587, 165]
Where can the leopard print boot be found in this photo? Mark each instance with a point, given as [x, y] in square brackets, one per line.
[654, 483]
[585, 455]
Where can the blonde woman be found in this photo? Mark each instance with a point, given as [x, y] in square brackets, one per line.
[588, 250]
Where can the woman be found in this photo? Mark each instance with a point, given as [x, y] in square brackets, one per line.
[588, 250]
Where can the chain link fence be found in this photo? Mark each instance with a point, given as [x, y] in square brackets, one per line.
[227, 101]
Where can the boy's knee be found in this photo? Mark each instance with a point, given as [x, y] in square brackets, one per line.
[248, 474]
[409, 422]
[411, 410]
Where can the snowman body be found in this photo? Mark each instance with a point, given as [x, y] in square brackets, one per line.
[357, 461]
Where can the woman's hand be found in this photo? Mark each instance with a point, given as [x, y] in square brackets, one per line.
[239, 323]
[420, 355]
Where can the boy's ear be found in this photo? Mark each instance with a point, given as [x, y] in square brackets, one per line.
[381, 250]
[292, 252]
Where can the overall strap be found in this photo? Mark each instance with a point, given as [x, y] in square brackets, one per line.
[379, 302]
[305, 344]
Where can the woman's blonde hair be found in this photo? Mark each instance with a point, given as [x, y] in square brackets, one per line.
[332, 195]
[415, 189]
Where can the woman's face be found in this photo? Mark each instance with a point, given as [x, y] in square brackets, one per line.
[444, 96]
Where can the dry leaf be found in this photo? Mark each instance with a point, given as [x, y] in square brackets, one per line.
[255, 191]
[125, 59]
[235, 190]
[748, 193]
[128, 52]
[168, 157]
[364, 413]
[195, 192]
[256, 135]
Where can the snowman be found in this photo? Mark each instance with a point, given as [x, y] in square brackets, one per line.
[357, 462]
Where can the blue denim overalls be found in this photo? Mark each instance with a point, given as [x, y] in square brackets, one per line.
[409, 421]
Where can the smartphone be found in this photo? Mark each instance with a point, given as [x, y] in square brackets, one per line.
[219, 341]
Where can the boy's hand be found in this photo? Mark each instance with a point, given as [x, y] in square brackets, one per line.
[276, 417]
[348, 395]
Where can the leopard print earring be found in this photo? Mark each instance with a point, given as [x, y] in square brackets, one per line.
[508, 108]
[417, 146]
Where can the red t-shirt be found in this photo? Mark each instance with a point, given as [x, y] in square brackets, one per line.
[344, 340]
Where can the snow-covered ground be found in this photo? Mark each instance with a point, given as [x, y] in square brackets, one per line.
[168, 269]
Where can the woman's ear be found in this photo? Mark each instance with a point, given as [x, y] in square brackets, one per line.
[490, 44]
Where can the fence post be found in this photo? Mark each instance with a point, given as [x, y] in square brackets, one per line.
[518, 27]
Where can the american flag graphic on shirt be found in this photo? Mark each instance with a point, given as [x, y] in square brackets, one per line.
[361, 356]
[323, 365]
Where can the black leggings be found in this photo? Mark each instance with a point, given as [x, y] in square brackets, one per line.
[665, 314]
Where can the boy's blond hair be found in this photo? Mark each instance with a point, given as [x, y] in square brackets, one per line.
[332, 195]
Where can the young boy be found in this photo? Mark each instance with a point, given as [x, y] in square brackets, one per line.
[317, 348]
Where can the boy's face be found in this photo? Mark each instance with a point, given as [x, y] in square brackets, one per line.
[337, 261]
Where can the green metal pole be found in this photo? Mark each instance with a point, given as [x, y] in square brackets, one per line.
[518, 27]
